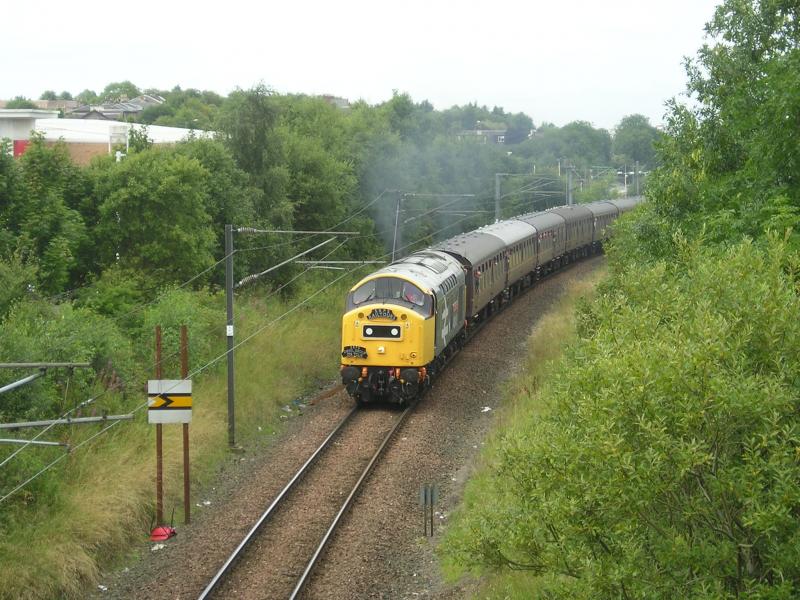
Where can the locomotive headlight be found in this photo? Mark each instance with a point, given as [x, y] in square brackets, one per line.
[395, 331]
[369, 330]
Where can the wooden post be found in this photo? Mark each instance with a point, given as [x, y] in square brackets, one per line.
[159, 442]
[184, 374]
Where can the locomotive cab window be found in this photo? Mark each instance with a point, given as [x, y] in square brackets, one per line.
[391, 289]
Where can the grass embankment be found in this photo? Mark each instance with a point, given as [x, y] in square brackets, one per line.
[104, 504]
[522, 400]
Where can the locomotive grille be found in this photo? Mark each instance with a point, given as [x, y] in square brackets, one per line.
[391, 332]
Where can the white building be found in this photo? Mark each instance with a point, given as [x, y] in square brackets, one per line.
[85, 138]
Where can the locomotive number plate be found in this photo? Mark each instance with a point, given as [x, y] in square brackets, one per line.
[354, 352]
[382, 313]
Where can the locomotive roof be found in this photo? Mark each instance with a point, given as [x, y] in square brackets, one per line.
[474, 246]
[427, 268]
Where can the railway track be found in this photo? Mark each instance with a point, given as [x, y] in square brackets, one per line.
[310, 506]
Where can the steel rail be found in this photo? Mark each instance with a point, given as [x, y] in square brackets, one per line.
[345, 507]
[236, 554]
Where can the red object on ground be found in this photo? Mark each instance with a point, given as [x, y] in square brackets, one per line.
[162, 533]
[20, 146]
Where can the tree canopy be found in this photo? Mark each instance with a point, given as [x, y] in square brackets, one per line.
[634, 141]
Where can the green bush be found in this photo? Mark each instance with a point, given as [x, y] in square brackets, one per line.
[37, 331]
[669, 463]
[204, 316]
[17, 276]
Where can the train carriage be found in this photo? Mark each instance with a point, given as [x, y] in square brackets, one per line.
[577, 227]
[626, 204]
[481, 255]
[520, 242]
[551, 236]
[604, 214]
[404, 322]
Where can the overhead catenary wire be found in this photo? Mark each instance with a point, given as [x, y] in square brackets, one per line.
[196, 371]
[164, 359]
[180, 286]
[190, 376]
[255, 276]
[93, 399]
[141, 307]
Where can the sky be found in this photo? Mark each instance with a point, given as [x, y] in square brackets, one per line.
[556, 61]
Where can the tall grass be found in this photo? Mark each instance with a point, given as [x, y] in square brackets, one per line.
[521, 399]
[103, 499]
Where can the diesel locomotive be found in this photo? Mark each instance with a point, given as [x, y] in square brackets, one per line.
[404, 322]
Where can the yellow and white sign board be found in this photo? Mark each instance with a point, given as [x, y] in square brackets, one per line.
[169, 401]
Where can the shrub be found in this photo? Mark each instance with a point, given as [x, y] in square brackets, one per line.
[37, 331]
[669, 463]
[204, 317]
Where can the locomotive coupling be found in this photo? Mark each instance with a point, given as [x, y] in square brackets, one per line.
[409, 375]
[350, 374]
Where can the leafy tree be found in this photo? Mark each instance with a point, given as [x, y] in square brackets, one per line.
[248, 122]
[43, 213]
[17, 276]
[154, 112]
[667, 466]
[634, 140]
[152, 215]
[193, 109]
[117, 91]
[519, 127]
[319, 184]
[87, 97]
[48, 95]
[730, 161]
[578, 142]
[11, 198]
[65, 96]
[230, 198]
[138, 139]
[20, 102]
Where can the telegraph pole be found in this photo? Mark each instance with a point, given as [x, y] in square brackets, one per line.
[497, 197]
[230, 286]
[229, 329]
[569, 185]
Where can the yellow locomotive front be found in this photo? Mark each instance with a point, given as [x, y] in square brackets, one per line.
[387, 338]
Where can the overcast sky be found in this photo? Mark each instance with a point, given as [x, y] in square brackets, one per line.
[556, 61]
